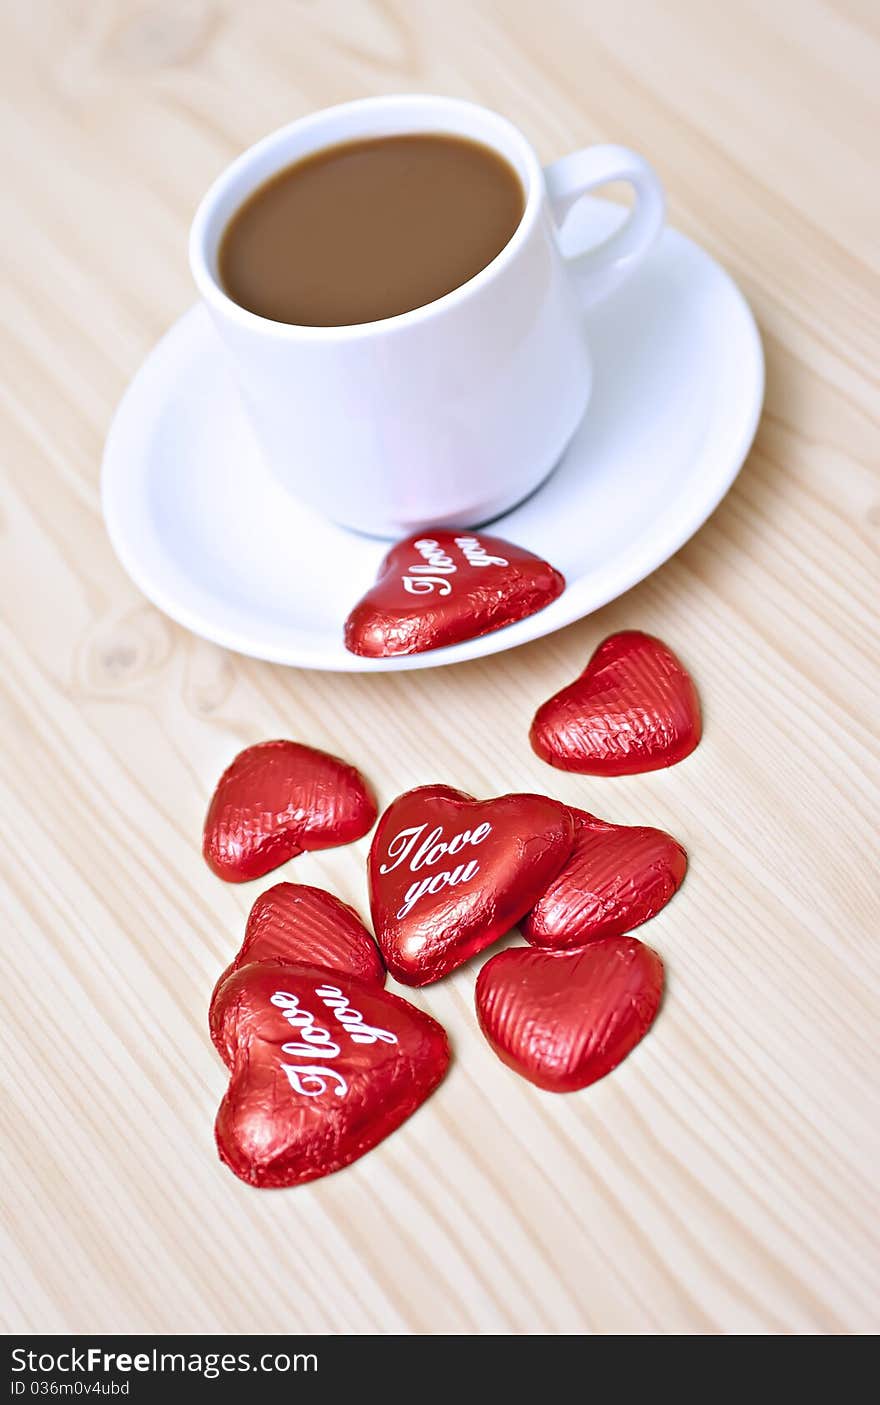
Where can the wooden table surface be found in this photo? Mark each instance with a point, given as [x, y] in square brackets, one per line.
[721, 1180]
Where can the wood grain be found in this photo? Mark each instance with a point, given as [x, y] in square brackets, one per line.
[723, 1180]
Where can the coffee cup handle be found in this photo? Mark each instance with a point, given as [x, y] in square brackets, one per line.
[602, 269]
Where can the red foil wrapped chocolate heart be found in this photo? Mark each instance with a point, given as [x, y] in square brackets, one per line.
[441, 587]
[450, 874]
[618, 876]
[293, 924]
[634, 708]
[565, 1019]
[323, 1068]
[278, 799]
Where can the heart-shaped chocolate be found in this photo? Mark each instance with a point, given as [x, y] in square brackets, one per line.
[618, 876]
[634, 708]
[565, 1019]
[278, 799]
[441, 587]
[450, 874]
[293, 924]
[323, 1068]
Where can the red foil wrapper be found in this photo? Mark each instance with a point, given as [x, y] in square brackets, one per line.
[322, 1069]
[618, 876]
[441, 587]
[634, 708]
[278, 799]
[450, 874]
[293, 924]
[565, 1019]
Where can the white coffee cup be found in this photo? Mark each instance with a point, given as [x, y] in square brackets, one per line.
[452, 413]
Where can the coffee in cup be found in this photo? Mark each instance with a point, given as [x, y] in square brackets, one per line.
[369, 229]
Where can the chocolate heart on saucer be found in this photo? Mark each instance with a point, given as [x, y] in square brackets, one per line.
[441, 587]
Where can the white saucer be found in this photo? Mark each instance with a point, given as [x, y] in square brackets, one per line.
[202, 528]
